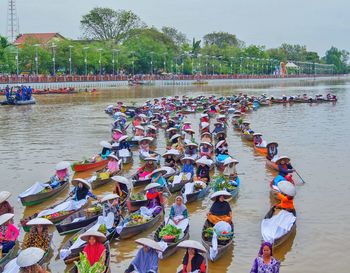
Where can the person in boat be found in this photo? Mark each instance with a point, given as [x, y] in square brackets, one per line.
[191, 150]
[154, 198]
[221, 209]
[146, 260]
[230, 170]
[94, 250]
[7, 93]
[171, 124]
[29, 93]
[144, 171]
[206, 137]
[61, 176]
[246, 128]
[204, 118]
[219, 127]
[28, 260]
[38, 236]
[178, 210]
[139, 131]
[113, 165]
[106, 150]
[179, 144]
[5, 206]
[136, 122]
[221, 136]
[265, 262]
[117, 134]
[258, 141]
[122, 186]
[81, 190]
[189, 136]
[157, 176]
[8, 232]
[171, 132]
[272, 151]
[169, 159]
[152, 131]
[187, 167]
[144, 145]
[284, 166]
[193, 261]
[202, 172]
[18, 95]
[111, 204]
[221, 148]
[205, 127]
[187, 125]
[206, 150]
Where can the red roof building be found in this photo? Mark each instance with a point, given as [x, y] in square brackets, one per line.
[40, 38]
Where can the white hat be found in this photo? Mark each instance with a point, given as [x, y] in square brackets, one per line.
[283, 157]
[206, 143]
[171, 152]
[122, 180]
[187, 158]
[225, 194]
[169, 170]
[206, 133]
[192, 144]
[139, 127]
[245, 122]
[187, 122]
[152, 127]
[221, 116]
[122, 138]
[192, 244]
[171, 129]
[4, 195]
[175, 137]
[117, 130]
[220, 143]
[152, 186]
[62, 165]
[287, 188]
[6, 217]
[205, 125]
[98, 235]
[110, 196]
[29, 256]
[149, 139]
[257, 134]
[150, 159]
[39, 221]
[230, 160]
[159, 170]
[204, 115]
[150, 243]
[106, 144]
[76, 181]
[143, 115]
[113, 156]
[204, 160]
[189, 131]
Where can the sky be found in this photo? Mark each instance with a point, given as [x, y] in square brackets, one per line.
[318, 24]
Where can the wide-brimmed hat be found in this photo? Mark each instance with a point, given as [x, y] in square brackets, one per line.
[272, 143]
[4, 195]
[113, 156]
[169, 170]
[152, 127]
[204, 125]
[122, 180]
[192, 244]
[175, 137]
[98, 235]
[149, 243]
[110, 196]
[150, 159]
[206, 143]
[187, 158]
[205, 133]
[245, 122]
[29, 256]
[230, 160]
[171, 129]
[152, 186]
[283, 157]
[189, 131]
[257, 134]
[204, 115]
[225, 194]
[171, 152]
[39, 221]
[6, 217]
[187, 122]
[220, 143]
[192, 144]
[149, 139]
[117, 130]
[218, 123]
[221, 116]
[287, 188]
[159, 170]
[122, 138]
[76, 181]
[139, 127]
[62, 165]
[106, 144]
[204, 160]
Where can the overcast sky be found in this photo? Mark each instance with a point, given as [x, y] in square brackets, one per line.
[317, 24]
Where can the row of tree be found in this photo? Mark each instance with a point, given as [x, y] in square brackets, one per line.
[118, 41]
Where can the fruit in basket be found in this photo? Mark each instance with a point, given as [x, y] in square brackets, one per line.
[170, 233]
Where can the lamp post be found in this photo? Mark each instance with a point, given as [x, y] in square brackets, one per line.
[152, 53]
[231, 58]
[36, 59]
[85, 59]
[164, 62]
[53, 47]
[70, 59]
[240, 65]
[113, 60]
[133, 62]
[17, 59]
[100, 60]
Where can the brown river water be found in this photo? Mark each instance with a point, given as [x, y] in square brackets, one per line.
[69, 127]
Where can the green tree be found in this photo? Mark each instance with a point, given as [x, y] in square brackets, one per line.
[109, 24]
[222, 39]
[176, 36]
[339, 58]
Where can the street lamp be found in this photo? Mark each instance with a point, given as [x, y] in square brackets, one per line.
[36, 59]
[213, 64]
[133, 62]
[70, 59]
[17, 59]
[100, 60]
[53, 47]
[164, 62]
[85, 60]
[113, 60]
[152, 53]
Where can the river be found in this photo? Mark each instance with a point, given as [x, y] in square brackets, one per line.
[69, 127]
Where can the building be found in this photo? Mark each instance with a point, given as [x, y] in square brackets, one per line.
[38, 38]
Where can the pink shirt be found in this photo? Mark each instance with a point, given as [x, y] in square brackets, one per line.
[11, 233]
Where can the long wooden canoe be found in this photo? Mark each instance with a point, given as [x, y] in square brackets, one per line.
[8, 256]
[223, 245]
[197, 195]
[74, 269]
[126, 159]
[279, 241]
[248, 137]
[172, 247]
[271, 165]
[260, 150]
[138, 183]
[85, 166]
[40, 197]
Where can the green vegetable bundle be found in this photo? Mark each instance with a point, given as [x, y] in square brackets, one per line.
[84, 266]
[170, 230]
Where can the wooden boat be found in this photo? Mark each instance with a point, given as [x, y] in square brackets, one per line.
[8, 256]
[40, 197]
[138, 183]
[271, 165]
[130, 231]
[248, 137]
[260, 150]
[197, 195]
[99, 182]
[135, 205]
[223, 245]
[178, 187]
[54, 218]
[74, 255]
[279, 241]
[234, 192]
[172, 247]
[85, 166]
[152, 154]
[74, 269]
[68, 225]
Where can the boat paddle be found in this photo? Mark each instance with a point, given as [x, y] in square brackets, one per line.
[300, 177]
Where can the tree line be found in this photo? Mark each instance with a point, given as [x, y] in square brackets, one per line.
[118, 41]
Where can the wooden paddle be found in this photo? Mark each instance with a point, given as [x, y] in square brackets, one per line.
[300, 177]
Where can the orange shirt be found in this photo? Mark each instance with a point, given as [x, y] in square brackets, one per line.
[286, 203]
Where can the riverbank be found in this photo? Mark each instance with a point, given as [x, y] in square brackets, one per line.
[235, 81]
